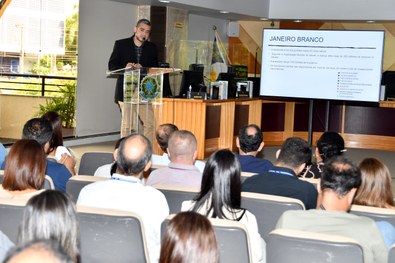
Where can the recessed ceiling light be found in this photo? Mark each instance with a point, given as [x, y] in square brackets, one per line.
[164, 1]
[297, 21]
[370, 21]
[263, 19]
[224, 12]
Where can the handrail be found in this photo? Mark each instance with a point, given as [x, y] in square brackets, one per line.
[41, 83]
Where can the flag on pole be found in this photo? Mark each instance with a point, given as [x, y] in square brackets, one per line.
[218, 62]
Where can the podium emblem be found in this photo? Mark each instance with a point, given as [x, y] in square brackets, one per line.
[149, 88]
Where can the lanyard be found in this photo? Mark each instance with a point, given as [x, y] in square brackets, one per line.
[280, 172]
[124, 180]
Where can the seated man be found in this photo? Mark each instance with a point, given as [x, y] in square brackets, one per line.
[340, 180]
[126, 191]
[40, 129]
[250, 143]
[182, 151]
[162, 137]
[282, 179]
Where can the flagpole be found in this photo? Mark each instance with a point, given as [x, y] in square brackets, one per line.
[222, 44]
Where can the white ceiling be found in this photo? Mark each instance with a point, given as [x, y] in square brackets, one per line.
[322, 10]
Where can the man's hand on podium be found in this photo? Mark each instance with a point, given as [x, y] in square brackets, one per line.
[134, 65]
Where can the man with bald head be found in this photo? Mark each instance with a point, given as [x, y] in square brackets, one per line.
[126, 190]
[181, 171]
[250, 143]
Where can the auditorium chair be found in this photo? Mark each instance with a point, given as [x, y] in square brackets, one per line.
[10, 216]
[285, 245]
[175, 195]
[391, 254]
[48, 183]
[90, 161]
[76, 183]
[375, 213]
[232, 238]
[245, 175]
[313, 181]
[109, 235]
[268, 209]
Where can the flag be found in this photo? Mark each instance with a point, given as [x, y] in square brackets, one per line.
[218, 62]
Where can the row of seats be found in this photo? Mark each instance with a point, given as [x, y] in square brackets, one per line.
[106, 235]
[117, 236]
[266, 208]
[48, 183]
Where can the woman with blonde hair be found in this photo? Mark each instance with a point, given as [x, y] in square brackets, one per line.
[376, 188]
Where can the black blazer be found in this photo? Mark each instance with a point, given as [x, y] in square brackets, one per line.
[124, 53]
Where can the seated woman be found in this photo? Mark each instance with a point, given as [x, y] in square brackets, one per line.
[189, 238]
[56, 148]
[376, 188]
[329, 145]
[220, 197]
[24, 171]
[107, 170]
[51, 215]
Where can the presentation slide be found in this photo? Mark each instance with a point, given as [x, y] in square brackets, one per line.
[322, 64]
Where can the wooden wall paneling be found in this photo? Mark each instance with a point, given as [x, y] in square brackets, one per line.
[227, 124]
[242, 112]
[255, 112]
[273, 138]
[191, 115]
[386, 143]
[289, 120]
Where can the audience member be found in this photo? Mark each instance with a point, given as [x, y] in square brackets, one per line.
[329, 145]
[108, 170]
[162, 137]
[376, 188]
[250, 143]
[38, 251]
[51, 215]
[24, 171]
[5, 245]
[220, 197]
[339, 183]
[189, 238]
[40, 129]
[182, 151]
[3, 153]
[56, 148]
[126, 191]
[282, 179]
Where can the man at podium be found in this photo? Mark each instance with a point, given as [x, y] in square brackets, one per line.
[134, 52]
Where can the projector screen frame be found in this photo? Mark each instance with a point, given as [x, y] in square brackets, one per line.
[284, 57]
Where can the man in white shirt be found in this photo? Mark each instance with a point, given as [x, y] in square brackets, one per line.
[181, 170]
[339, 182]
[162, 137]
[126, 191]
